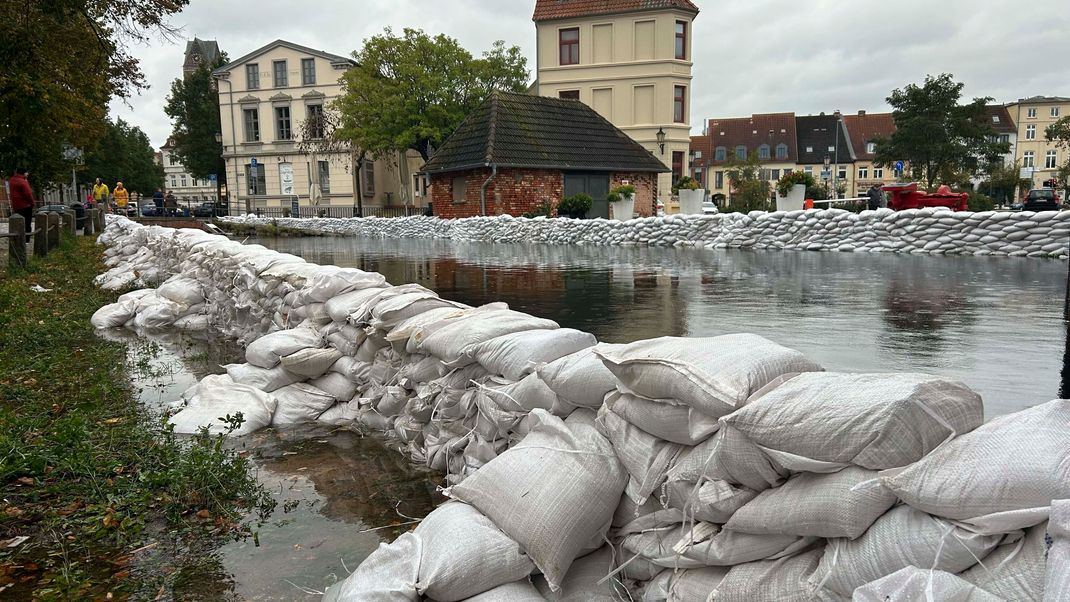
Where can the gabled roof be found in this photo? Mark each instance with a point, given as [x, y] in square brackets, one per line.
[752, 132]
[864, 128]
[333, 58]
[208, 50]
[546, 10]
[817, 132]
[539, 132]
[1000, 119]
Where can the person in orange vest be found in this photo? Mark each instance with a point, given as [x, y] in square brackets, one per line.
[808, 204]
[122, 197]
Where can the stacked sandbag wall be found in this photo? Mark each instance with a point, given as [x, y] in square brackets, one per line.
[920, 231]
[724, 468]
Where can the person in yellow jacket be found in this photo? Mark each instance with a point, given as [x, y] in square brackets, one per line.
[100, 193]
[122, 196]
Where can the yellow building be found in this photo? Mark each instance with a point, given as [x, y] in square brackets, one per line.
[1032, 151]
[629, 60]
[264, 99]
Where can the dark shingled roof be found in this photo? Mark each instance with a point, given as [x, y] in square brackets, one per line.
[816, 132]
[546, 10]
[772, 129]
[1000, 119]
[518, 130]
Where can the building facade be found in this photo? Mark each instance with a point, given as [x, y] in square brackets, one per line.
[265, 98]
[823, 139]
[629, 60]
[770, 137]
[863, 130]
[1032, 151]
[199, 52]
[178, 180]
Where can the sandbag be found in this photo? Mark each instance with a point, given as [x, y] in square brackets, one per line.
[842, 504]
[712, 501]
[333, 281]
[182, 290]
[714, 375]
[669, 421]
[464, 554]
[389, 313]
[695, 584]
[268, 350]
[1016, 569]
[193, 323]
[872, 420]
[912, 584]
[525, 395]
[265, 379]
[389, 574]
[579, 379]
[1057, 582]
[517, 591]
[217, 396]
[340, 306]
[644, 456]
[341, 413]
[581, 584]
[336, 385]
[731, 457]
[516, 355]
[705, 544]
[311, 362]
[781, 580]
[112, 315]
[299, 403]
[156, 313]
[902, 537]
[451, 342]
[553, 492]
[1000, 477]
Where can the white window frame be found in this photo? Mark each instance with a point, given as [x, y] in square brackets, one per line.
[1054, 112]
[1031, 131]
[863, 172]
[1028, 159]
[1031, 113]
[1051, 159]
[871, 147]
[878, 173]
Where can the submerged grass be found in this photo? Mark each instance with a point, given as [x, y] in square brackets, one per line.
[90, 478]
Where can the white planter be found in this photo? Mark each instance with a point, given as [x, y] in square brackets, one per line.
[691, 201]
[793, 201]
[623, 209]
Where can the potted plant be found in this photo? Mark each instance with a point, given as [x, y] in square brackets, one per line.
[622, 202]
[791, 190]
[691, 196]
[575, 206]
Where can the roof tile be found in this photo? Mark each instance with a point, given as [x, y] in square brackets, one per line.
[867, 127]
[546, 10]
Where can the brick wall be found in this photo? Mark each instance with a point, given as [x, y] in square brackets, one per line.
[646, 189]
[511, 192]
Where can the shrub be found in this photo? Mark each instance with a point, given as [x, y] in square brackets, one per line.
[623, 190]
[577, 204]
[613, 196]
[980, 202]
[790, 179]
[544, 208]
[684, 183]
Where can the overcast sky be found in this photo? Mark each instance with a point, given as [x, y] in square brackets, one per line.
[751, 56]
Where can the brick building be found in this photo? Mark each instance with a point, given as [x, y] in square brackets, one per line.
[517, 151]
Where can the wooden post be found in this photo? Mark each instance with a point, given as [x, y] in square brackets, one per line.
[70, 226]
[16, 243]
[90, 221]
[53, 230]
[40, 237]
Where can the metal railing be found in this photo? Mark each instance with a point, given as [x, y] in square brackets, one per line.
[338, 212]
[48, 228]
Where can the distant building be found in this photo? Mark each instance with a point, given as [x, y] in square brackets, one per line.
[824, 137]
[1032, 117]
[864, 129]
[768, 136]
[517, 151]
[631, 61]
[199, 52]
[177, 179]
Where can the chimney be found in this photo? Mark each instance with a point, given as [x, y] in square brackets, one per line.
[861, 113]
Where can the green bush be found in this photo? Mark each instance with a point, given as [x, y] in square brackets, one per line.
[545, 208]
[684, 183]
[980, 202]
[575, 205]
[623, 190]
[790, 179]
[613, 196]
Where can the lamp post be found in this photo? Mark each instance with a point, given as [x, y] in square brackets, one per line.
[826, 179]
[836, 151]
[218, 184]
[661, 140]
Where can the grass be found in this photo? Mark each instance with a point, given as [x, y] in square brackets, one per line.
[89, 476]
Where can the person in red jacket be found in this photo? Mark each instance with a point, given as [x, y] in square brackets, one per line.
[22, 197]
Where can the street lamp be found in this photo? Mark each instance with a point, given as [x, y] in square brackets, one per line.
[826, 178]
[661, 140]
[219, 188]
[836, 150]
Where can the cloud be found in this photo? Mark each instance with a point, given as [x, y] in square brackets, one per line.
[750, 57]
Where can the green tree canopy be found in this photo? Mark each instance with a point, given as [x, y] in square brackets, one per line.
[749, 191]
[194, 106]
[124, 155]
[935, 134]
[412, 91]
[1059, 133]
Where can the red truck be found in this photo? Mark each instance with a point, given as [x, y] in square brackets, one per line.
[907, 196]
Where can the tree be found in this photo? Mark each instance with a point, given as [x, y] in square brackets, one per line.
[63, 61]
[1002, 181]
[1059, 133]
[749, 191]
[412, 91]
[935, 134]
[194, 106]
[124, 154]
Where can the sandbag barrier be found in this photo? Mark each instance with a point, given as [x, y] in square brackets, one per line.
[919, 231]
[725, 468]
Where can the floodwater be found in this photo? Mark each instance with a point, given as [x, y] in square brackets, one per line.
[994, 323]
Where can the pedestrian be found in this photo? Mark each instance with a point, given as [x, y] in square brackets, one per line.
[808, 204]
[876, 197]
[170, 203]
[22, 201]
[100, 193]
[122, 197]
[157, 200]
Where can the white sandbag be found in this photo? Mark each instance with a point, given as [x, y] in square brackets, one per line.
[902, 537]
[676, 546]
[841, 504]
[335, 384]
[265, 379]
[421, 369]
[299, 403]
[782, 580]
[268, 350]
[311, 362]
[465, 554]
[356, 371]
[516, 355]
[872, 420]
[193, 323]
[579, 379]
[523, 396]
[1016, 569]
[714, 375]
[695, 584]
[215, 398]
[1000, 477]
[1057, 582]
[182, 290]
[517, 591]
[401, 333]
[912, 584]
[390, 312]
[157, 314]
[339, 414]
[713, 501]
[669, 421]
[657, 589]
[340, 306]
[112, 315]
[731, 457]
[584, 581]
[553, 492]
[388, 575]
[644, 456]
[335, 281]
[392, 401]
[347, 339]
[451, 342]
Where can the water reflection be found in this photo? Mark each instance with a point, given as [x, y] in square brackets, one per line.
[993, 323]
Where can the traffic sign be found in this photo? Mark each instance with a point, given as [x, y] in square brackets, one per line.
[826, 174]
[211, 177]
[899, 166]
[252, 162]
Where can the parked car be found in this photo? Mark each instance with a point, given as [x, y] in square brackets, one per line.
[1040, 199]
[149, 210]
[205, 209]
[78, 208]
[708, 207]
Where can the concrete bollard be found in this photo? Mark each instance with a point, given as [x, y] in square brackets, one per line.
[16, 243]
[40, 235]
[90, 223]
[70, 226]
[53, 230]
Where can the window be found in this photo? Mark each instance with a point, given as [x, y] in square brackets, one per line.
[842, 172]
[1054, 112]
[774, 174]
[1049, 159]
[681, 40]
[832, 148]
[808, 169]
[763, 151]
[172, 159]
[741, 153]
[278, 70]
[174, 181]
[878, 173]
[282, 124]
[324, 171]
[809, 149]
[1027, 159]
[569, 41]
[718, 179]
[1031, 113]
[255, 179]
[252, 76]
[871, 147]
[1005, 138]
[419, 185]
[368, 178]
[182, 179]
[569, 94]
[1031, 131]
[678, 164]
[252, 125]
[995, 119]
[315, 114]
[459, 185]
[678, 112]
[308, 72]
[863, 173]
[782, 151]
[719, 154]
